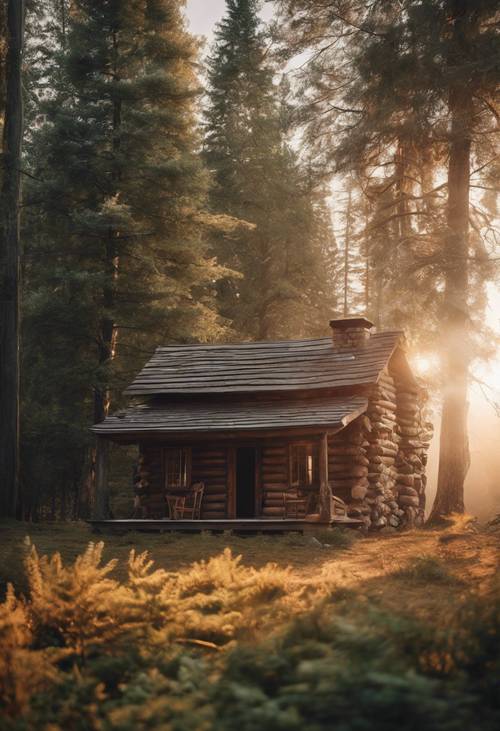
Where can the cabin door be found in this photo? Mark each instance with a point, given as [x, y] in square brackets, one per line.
[246, 460]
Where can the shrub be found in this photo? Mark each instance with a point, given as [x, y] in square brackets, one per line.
[386, 674]
[426, 569]
[23, 670]
[224, 647]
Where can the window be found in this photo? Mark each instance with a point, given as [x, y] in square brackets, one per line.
[304, 464]
[176, 469]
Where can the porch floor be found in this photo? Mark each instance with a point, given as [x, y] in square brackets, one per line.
[240, 525]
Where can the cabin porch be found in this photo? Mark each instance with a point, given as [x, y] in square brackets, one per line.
[253, 482]
[248, 526]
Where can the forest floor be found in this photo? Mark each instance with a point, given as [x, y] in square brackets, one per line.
[423, 571]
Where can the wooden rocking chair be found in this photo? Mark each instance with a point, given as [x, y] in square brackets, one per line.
[190, 505]
[339, 508]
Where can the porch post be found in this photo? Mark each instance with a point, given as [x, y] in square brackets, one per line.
[325, 495]
[101, 501]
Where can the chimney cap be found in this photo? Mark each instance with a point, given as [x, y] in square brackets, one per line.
[343, 323]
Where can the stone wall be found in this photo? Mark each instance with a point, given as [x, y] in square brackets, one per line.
[377, 464]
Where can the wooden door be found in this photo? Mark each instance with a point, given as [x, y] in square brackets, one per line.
[245, 482]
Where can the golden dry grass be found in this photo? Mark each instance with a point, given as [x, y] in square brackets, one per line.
[377, 567]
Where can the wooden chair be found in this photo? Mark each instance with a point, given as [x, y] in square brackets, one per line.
[339, 508]
[295, 504]
[190, 504]
[172, 501]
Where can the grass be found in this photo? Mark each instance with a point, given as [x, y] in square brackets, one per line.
[426, 570]
[393, 571]
[172, 551]
[339, 538]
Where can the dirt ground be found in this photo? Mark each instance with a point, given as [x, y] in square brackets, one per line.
[376, 567]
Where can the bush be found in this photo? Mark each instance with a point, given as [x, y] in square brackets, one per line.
[185, 652]
[389, 673]
[426, 569]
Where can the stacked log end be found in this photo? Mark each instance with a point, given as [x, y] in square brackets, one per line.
[383, 437]
[415, 432]
[377, 465]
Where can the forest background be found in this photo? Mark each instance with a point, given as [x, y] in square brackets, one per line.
[482, 485]
[318, 166]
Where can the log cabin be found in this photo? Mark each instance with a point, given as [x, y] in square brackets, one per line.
[323, 430]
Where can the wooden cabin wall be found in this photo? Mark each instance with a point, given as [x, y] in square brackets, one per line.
[210, 465]
[376, 464]
[151, 472]
[348, 466]
[273, 478]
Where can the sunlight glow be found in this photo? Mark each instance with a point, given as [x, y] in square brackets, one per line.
[425, 364]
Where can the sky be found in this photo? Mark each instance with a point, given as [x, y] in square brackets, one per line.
[204, 14]
[482, 486]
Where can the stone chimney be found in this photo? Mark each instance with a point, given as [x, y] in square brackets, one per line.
[350, 333]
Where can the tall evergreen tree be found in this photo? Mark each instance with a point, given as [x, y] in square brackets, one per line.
[12, 131]
[403, 82]
[282, 289]
[116, 259]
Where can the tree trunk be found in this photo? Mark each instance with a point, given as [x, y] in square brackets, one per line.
[108, 332]
[347, 247]
[454, 458]
[9, 263]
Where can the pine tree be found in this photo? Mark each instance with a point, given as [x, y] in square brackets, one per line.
[12, 132]
[414, 81]
[117, 206]
[259, 179]
[352, 264]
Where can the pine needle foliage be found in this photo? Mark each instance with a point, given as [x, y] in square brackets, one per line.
[116, 226]
[284, 257]
[23, 669]
[221, 646]
[74, 606]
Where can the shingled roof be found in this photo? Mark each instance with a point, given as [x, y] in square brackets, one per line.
[214, 416]
[288, 365]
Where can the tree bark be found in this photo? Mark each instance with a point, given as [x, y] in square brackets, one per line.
[347, 248]
[108, 331]
[454, 458]
[9, 263]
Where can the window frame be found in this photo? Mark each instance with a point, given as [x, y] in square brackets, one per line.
[188, 458]
[315, 477]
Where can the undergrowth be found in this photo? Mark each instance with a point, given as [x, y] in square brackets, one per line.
[426, 570]
[339, 538]
[221, 646]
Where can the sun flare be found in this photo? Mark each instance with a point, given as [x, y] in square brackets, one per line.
[425, 364]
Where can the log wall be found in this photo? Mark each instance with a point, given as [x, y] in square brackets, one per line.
[151, 472]
[273, 478]
[348, 468]
[376, 464]
[209, 465]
